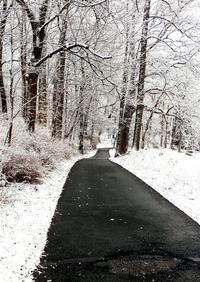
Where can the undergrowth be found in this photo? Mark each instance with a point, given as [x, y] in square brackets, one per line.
[31, 155]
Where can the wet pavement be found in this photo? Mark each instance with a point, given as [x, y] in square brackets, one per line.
[111, 226]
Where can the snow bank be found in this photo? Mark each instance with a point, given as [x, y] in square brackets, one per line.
[174, 175]
[25, 218]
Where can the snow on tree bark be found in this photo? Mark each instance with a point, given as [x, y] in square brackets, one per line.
[142, 72]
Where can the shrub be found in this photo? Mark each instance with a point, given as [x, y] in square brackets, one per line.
[22, 168]
[30, 155]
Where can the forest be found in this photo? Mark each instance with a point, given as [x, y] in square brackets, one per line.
[75, 74]
[72, 70]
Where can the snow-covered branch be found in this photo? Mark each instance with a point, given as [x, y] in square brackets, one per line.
[70, 47]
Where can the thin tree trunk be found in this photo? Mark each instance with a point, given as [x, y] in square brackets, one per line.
[92, 141]
[58, 112]
[42, 91]
[42, 103]
[11, 111]
[11, 91]
[173, 134]
[5, 12]
[129, 108]
[58, 100]
[146, 129]
[61, 93]
[23, 50]
[142, 73]
[86, 117]
[71, 130]
[81, 133]
[54, 110]
[180, 139]
[81, 113]
[166, 133]
[2, 88]
[32, 89]
[162, 124]
[124, 89]
[65, 111]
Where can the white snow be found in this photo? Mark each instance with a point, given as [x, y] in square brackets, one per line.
[105, 141]
[112, 153]
[27, 211]
[104, 145]
[174, 175]
[25, 217]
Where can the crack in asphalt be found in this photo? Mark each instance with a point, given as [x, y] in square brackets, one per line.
[134, 255]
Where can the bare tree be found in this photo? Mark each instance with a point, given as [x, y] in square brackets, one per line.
[142, 73]
[59, 87]
[3, 17]
[127, 105]
[38, 37]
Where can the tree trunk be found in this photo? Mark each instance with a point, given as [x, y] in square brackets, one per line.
[42, 103]
[65, 110]
[54, 110]
[129, 108]
[10, 131]
[180, 139]
[61, 93]
[173, 134]
[124, 136]
[5, 12]
[166, 133]
[23, 55]
[58, 100]
[146, 129]
[81, 110]
[163, 133]
[2, 88]
[38, 40]
[124, 89]
[81, 133]
[142, 73]
[92, 141]
[58, 112]
[138, 126]
[32, 90]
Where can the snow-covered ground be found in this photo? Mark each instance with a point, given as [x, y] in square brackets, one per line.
[27, 211]
[25, 218]
[174, 175]
[105, 141]
[104, 145]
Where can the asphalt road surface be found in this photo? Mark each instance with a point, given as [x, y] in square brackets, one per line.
[111, 226]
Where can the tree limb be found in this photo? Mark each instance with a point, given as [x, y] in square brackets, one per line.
[69, 48]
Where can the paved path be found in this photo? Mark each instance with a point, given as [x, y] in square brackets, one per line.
[111, 226]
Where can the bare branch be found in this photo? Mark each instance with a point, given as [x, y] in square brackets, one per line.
[70, 48]
[90, 5]
[56, 16]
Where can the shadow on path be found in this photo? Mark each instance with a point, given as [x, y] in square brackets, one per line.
[111, 226]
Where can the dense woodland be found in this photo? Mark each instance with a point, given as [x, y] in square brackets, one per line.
[78, 68]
